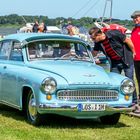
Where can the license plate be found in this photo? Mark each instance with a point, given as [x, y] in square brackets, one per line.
[91, 107]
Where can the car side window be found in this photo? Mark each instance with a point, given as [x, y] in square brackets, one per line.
[5, 49]
[16, 52]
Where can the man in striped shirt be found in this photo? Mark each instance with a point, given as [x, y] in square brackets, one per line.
[118, 48]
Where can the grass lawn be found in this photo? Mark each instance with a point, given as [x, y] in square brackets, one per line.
[13, 126]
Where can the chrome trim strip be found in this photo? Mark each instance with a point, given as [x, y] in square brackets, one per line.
[10, 105]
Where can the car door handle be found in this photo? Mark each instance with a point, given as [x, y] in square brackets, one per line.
[5, 67]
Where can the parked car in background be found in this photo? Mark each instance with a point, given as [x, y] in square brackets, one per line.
[26, 29]
[44, 74]
[29, 26]
[53, 29]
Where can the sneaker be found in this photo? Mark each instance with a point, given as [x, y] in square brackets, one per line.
[136, 109]
[138, 99]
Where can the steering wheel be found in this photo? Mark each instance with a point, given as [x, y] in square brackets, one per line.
[70, 54]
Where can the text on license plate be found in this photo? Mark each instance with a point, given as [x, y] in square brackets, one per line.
[91, 107]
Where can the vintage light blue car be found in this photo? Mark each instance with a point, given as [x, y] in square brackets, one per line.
[44, 74]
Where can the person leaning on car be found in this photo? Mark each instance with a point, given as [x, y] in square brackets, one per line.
[119, 50]
[135, 37]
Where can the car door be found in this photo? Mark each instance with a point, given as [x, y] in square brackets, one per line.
[0, 75]
[4, 55]
[9, 74]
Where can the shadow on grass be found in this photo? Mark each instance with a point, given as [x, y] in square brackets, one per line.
[56, 121]
[11, 112]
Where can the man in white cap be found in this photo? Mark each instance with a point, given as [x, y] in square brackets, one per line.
[135, 37]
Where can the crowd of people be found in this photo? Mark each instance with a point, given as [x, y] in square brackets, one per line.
[39, 28]
[122, 52]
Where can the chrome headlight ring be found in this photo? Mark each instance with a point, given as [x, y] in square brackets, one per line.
[49, 85]
[127, 86]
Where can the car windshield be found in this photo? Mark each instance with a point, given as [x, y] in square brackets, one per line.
[58, 50]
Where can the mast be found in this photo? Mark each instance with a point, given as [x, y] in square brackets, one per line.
[24, 19]
[111, 4]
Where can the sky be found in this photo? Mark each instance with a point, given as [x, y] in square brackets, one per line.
[122, 9]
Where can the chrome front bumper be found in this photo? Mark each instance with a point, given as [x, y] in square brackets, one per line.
[72, 111]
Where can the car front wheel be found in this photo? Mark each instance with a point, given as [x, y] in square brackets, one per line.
[110, 119]
[33, 116]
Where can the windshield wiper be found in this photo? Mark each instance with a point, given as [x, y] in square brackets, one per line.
[58, 58]
[80, 59]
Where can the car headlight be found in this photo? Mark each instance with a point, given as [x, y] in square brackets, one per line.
[49, 85]
[127, 86]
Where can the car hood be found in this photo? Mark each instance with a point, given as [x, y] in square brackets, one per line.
[74, 72]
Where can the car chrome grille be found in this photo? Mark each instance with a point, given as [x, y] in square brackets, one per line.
[90, 95]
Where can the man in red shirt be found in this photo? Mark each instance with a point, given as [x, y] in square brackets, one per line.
[135, 37]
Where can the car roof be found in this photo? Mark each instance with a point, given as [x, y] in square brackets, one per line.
[36, 36]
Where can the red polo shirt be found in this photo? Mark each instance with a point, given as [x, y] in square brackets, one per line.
[135, 36]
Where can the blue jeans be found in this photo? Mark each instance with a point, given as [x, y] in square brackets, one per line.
[129, 72]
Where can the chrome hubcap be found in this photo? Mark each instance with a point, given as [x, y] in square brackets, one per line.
[32, 108]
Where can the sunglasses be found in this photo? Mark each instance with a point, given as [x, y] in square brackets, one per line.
[93, 36]
[134, 17]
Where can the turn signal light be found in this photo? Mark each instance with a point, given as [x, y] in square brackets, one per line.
[126, 97]
[49, 97]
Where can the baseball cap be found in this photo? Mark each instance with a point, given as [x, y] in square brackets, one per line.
[135, 14]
